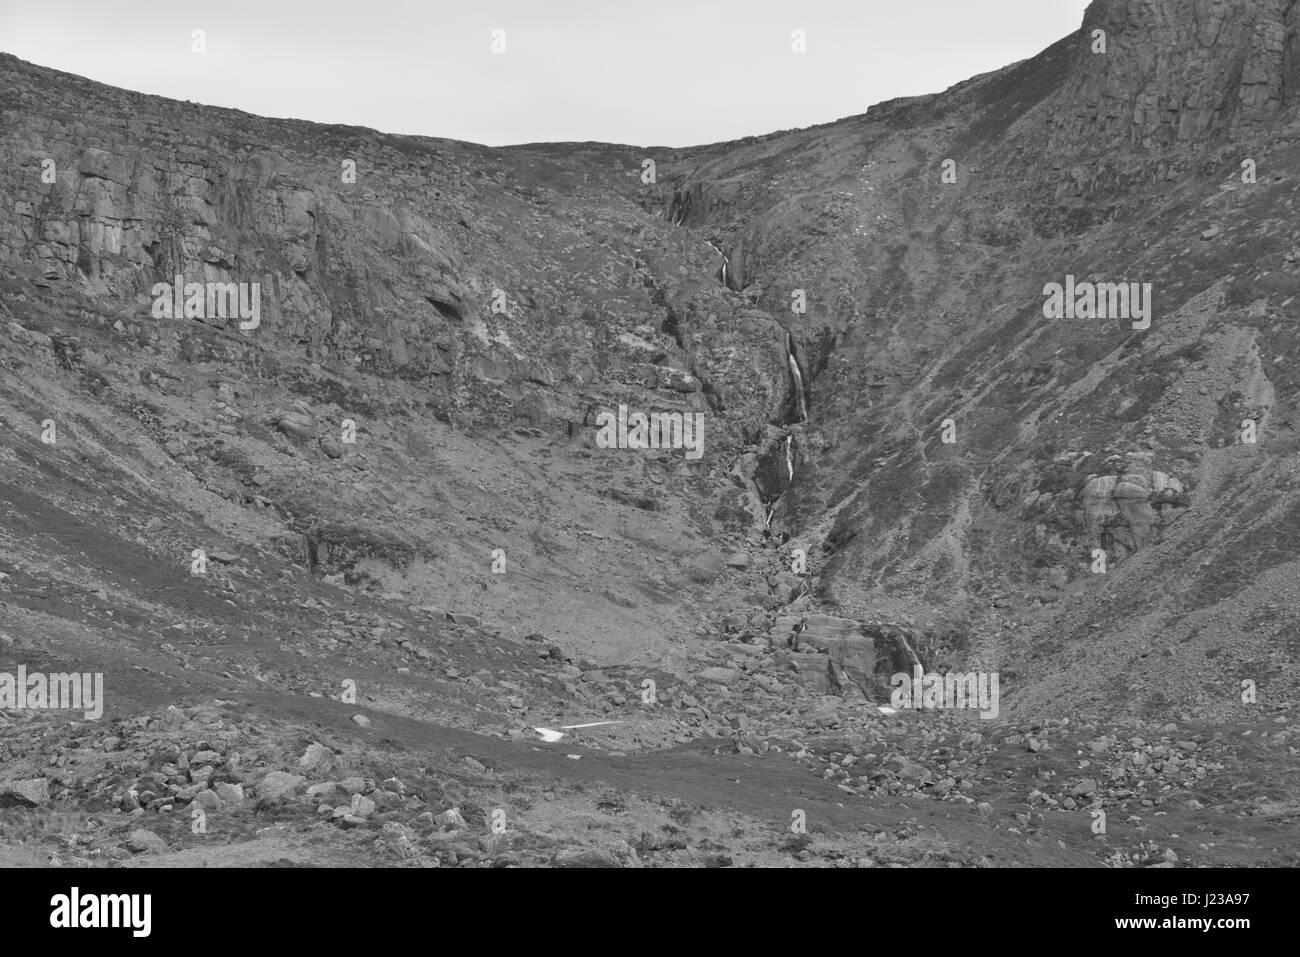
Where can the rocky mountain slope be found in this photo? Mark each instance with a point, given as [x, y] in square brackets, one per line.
[350, 557]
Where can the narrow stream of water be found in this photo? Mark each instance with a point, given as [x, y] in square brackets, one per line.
[797, 376]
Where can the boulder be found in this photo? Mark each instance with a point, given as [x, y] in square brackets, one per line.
[1123, 512]
[811, 670]
[788, 586]
[209, 800]
[279, 784]
[141, 841]
[450, 820]
[781, 634]
[317, 757]
[29, 793]
[606, 854]
[678, 381]
[843, 640]
[721, 676]
[229, 793]
[296, 425]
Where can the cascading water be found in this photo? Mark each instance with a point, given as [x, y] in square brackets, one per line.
[797, 376]
[726, 263]
[776, 466]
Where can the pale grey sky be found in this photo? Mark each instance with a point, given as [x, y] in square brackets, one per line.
[667, 73]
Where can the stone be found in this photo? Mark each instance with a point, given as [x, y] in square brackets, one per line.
[296, 425]
[229, 793]
[583, 857]
[30, 793]
[705, 569]
[781, 634]
[209, 800]
[788, 586]
[679, 381]
[811, 669]
[400, 837]
[279, 784]
[844, 642]
[317, 757]
[450, 819]
[1128, 510]
[721, 676]
[603, 855]
[141, 841]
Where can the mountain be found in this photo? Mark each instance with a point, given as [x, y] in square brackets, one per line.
[390, 482]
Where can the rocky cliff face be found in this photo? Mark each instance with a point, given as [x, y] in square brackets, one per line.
[968, 464]
[1180, 73]
[856, 309]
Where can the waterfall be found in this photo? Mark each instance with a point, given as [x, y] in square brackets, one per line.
[726, 263]
[797, 376]
[785, 447]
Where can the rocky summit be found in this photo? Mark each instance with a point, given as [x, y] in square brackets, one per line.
[918, 488]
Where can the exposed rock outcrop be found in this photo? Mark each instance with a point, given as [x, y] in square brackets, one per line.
[1179, 72]
[1124, 511]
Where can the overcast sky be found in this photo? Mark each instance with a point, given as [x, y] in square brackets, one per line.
[662, 73]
